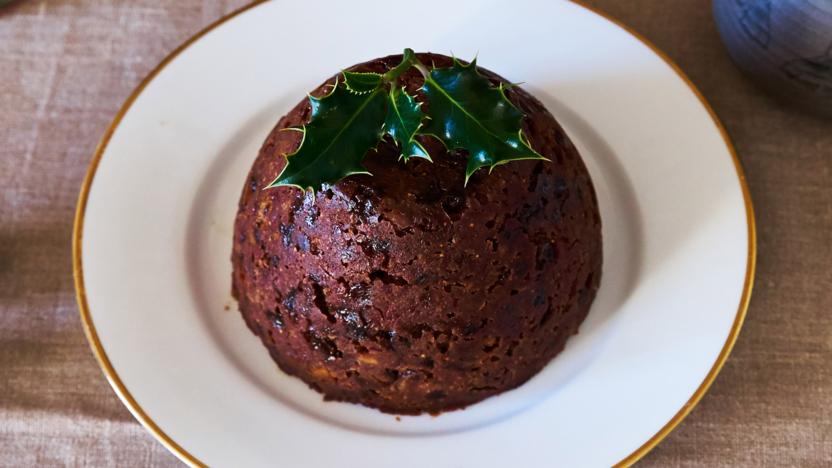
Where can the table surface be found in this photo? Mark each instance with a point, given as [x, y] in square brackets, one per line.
[66, 66]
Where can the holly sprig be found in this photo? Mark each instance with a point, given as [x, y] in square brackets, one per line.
[465, 112]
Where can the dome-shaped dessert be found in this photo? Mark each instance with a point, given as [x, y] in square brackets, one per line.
[408, 291]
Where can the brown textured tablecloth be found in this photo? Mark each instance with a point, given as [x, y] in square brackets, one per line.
[66, 66]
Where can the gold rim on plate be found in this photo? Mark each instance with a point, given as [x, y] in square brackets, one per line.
[184, 455]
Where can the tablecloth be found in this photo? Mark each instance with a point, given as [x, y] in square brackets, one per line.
[66, 66]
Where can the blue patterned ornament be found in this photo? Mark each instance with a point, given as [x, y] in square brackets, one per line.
[784, 45]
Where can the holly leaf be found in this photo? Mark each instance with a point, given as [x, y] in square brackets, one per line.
[344, 125]
[467, 112]
[404, 118]
[362, 83]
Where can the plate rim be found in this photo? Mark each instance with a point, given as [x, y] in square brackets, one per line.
[147, 422]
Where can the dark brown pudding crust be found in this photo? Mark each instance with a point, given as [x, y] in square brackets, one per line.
[406, 291]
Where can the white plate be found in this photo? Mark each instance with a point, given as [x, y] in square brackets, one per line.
[154, 227]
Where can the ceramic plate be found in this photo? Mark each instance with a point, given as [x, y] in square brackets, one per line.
[154, 228]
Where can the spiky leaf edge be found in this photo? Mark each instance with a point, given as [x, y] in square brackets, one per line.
[362, 82]
[411, 139]
[275, 183]
[521, 135]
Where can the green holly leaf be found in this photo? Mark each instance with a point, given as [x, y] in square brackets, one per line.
[404, 118]
[362, 83]
[344, 125]
[467, 112]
